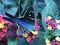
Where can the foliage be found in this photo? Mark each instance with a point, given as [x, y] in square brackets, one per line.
[42, 9]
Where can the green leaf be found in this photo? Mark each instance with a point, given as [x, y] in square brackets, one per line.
[58, 7]
[35, 7]
[57, 33]
[51, 8]
[25, 6]
[12, 42]
[8, 2]
[12, 10]
[1, 6]
[22, 41]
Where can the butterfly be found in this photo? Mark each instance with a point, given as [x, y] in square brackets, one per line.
[25, 23]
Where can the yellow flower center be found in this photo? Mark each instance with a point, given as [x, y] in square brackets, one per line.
[1, 25]
[57, 38]
[35, 32]
[47, 42]
[25, 35]
[58, 26]
[49, 17]
[57, 21]
[49, 27]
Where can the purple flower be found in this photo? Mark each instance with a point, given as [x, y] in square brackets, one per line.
[12, 31]
[54, 42]
[51, 23]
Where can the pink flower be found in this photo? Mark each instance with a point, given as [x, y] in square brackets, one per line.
[3, 32]
[29, 39]
[46, 19]
[36, 25]
[34, 36]
[51, 23]
[54, 42]
[2, 20]
[3, 28]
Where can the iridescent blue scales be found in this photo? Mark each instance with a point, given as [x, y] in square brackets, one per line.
[26, 23]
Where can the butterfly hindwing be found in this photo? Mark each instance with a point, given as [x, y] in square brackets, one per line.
[22, 30]
[29, 16]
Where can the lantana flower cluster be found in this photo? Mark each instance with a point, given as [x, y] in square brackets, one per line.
[55, 41]
[3, 28]
[7, 29]
[31, 36]
[51, 23]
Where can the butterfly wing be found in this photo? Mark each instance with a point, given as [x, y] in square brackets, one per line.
[29, 16]
[25, 23]
[22, 27]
